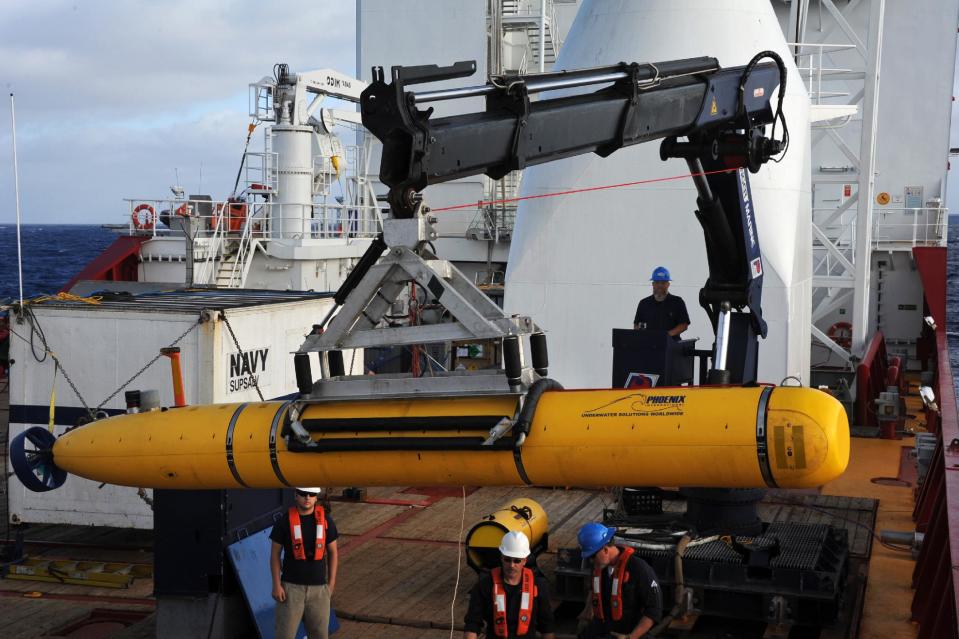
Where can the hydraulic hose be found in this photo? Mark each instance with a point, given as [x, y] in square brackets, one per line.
[525, 419]
[362, 267]
[678, 588]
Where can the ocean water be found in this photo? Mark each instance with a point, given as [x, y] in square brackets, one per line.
[53, 254]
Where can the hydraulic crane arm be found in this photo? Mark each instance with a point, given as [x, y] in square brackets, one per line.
[645, 102]
[722, 113]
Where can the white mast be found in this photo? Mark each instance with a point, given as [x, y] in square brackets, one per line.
[16, 191]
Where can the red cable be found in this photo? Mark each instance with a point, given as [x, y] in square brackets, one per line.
[585, 190]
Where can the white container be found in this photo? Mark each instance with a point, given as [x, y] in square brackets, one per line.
[101, 347]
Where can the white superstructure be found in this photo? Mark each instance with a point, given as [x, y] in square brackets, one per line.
[579, 264]
[879, 175]
[303, 212]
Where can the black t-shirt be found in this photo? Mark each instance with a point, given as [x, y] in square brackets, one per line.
[480, 609]
[641, 598]
[663, 315]
[308, 572]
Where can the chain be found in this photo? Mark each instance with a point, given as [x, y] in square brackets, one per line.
[226, 321]
[76, 390]
[148, 364]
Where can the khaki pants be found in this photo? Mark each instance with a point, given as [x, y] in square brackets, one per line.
[309, 603]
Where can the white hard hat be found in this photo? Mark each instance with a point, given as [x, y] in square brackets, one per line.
[514, 544]
[314, 490]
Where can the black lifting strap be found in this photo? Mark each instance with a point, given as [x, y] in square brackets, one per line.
[525, 420]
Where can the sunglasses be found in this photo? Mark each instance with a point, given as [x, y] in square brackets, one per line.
[303, 493]
[512, 560]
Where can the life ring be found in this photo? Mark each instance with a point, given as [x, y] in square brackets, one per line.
[145, 224]
[841, 333]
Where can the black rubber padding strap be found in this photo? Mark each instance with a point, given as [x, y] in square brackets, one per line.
[525, 419]
[762, 450]
[229, 445]
[518, 458]
[273, 430]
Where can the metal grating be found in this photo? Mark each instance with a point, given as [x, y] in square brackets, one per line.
[800, 546]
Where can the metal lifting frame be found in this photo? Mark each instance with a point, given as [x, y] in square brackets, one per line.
[368, 295]
[408, 260]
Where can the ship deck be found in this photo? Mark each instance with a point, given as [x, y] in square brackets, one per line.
[400, 556]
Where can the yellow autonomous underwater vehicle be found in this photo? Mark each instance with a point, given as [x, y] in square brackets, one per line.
[726, 436]
[511, 425]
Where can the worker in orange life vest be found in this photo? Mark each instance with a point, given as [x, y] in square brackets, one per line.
[306, 535]
[625, 600]
[511, 600]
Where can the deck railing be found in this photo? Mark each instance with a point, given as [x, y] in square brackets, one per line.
[227, 234]
[935, 604]
[813, 61]
[210, 219]
[892, 228]
[908, 227]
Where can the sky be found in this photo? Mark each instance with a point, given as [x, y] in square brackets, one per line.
[114, 99]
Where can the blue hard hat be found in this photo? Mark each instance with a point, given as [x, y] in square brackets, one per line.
[660, 274]
[594, 536]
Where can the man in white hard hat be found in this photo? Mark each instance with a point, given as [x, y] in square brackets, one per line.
[510, 600]
[306, 536]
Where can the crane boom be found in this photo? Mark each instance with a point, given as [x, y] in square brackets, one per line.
[645, 102]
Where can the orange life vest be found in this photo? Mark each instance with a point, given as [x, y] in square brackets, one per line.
[296, 533]
[525, 603]
[620, 577]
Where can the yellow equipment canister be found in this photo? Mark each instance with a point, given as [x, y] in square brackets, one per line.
[519, 515]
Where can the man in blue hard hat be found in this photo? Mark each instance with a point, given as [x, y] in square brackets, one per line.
[510, 600]
[661, 310]
[625, 600]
